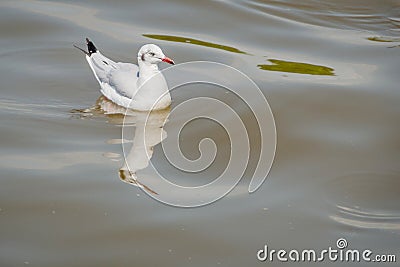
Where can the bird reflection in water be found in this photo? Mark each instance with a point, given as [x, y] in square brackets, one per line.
[147, 130]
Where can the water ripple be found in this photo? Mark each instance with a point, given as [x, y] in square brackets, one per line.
[377, 16]
[365, 219]
[366, 200]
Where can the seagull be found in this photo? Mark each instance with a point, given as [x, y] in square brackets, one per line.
[140, 87]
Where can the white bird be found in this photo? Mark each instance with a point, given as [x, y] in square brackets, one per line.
[140, 87]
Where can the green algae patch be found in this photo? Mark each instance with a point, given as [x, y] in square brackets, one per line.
[296, 67]
[179, 39]
[383, 39]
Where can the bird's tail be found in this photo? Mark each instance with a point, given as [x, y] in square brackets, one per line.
[91, 48]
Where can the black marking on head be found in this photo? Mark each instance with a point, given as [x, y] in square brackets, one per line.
[105, 62]
[142, 57]
[91, 47]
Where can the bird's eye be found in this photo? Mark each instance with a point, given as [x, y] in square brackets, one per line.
[152, 54]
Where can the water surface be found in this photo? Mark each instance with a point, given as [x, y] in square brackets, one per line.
[336, 171]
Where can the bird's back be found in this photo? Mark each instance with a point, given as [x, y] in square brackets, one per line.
[117, 80]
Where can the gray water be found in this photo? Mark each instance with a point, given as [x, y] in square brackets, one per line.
[336, 172]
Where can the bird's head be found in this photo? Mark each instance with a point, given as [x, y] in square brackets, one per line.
[152, 54]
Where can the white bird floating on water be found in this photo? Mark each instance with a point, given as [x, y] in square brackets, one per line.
[140, 87]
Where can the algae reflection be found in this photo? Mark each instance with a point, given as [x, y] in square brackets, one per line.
[179, 39]
[296, 67]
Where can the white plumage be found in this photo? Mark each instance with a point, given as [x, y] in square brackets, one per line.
[140, 87]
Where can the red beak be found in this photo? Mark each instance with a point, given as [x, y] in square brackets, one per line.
[168, 60]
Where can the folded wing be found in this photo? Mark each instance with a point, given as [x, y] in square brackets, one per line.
[117, 80]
